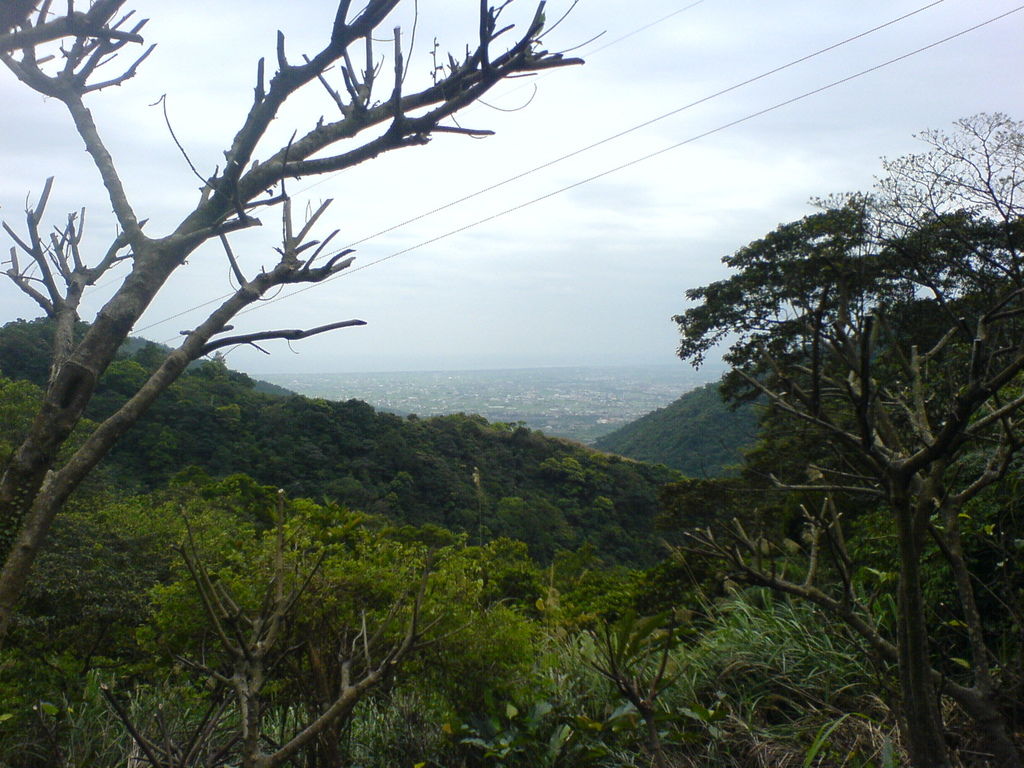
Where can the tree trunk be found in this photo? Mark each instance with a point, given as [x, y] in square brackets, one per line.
[926, 744]
[22, 554]
[982, 702]
[983, 710]
[653, 739]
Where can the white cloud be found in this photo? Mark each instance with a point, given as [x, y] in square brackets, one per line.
[589, 275]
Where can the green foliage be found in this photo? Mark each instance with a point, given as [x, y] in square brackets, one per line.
[18, 403]
[582, 589]
[88, 597]
[70, 729]
[633, 647]
[25, 348]
[698, 434]
[698, 503]
[514, 736]
[887, 328]
[550, 493]
[633, 653]
[113, 593]
[401, 727]
[793, 267]
[781, 671]
[503, 681]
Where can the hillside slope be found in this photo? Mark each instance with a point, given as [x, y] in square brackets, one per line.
[458, 471]
[698, 434]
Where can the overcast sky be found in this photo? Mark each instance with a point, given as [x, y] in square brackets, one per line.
[588, 276]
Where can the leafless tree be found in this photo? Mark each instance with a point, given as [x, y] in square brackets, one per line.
[53, 268]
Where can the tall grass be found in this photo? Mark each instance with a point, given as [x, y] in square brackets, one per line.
[789, 680]
[763, 682]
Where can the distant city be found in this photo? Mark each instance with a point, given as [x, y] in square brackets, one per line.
[580, 403]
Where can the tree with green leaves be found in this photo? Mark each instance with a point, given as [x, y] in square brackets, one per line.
[264, 638]
[891, 328]
[633, 654]
[56, 267]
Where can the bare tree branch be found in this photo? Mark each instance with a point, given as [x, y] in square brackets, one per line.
[290, 335]
[93, 23]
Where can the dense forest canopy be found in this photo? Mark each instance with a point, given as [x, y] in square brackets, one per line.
[457, 471]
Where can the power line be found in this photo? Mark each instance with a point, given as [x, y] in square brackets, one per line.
[587, 53]
[644, 28]
[645, 124]
[649, 156]
[585, 149]
[328, 177]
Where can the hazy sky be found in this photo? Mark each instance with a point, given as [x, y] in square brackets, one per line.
[591, 275]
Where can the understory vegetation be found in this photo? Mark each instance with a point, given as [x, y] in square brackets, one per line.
[510, 669]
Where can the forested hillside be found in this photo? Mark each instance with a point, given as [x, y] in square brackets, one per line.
[698, 434]
[458, 471]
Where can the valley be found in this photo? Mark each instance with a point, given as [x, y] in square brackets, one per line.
[579, 403]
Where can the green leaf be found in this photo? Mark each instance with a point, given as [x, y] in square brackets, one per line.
[821, 740]
[585, 722]
[539, 710]
[558, 739]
